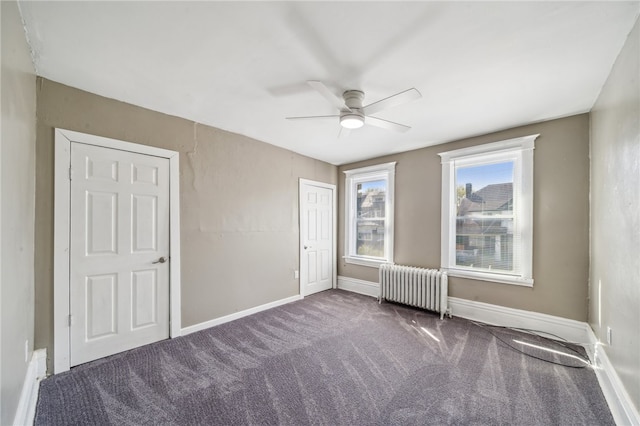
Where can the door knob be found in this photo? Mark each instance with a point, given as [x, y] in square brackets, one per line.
[161, 260]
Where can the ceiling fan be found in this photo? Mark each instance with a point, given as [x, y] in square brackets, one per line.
[353, 115]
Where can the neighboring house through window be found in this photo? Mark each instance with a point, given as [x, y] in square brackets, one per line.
[369, 215]
[487, 211]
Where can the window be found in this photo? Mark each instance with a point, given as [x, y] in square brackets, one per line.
[487, 211]
[369, 215]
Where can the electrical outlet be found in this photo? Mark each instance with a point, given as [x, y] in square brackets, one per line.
[609, 338]
[296, 274]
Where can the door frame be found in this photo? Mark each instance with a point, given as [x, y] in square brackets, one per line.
[62, 235]
[334, 233]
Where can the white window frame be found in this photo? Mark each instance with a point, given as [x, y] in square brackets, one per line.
[353, 178]
[520, 151]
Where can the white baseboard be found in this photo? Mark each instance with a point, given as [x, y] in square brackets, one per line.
[368, 288]
[217, 321]
[571, 330]
[36, 371]
[622, 408]
[574, 331]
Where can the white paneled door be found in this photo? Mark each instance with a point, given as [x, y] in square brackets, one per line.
[316, 237]
[119, 261]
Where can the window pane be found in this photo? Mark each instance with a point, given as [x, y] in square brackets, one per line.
[371, 199]
[370, 240]
[485, 221]
[370, 212]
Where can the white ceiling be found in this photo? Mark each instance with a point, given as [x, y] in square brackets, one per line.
[242, 66]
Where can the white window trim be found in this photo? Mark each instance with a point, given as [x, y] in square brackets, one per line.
[381, 171]
[519, 150]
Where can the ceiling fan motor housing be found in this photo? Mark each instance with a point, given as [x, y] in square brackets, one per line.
[353, 99]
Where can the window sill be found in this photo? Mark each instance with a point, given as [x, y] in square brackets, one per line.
[372, 263]
[488, 276]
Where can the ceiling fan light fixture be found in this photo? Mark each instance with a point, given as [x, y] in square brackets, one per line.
[351, 121]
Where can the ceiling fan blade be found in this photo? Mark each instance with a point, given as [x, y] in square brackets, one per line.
[344, 132]
[328, 95]
[313, 117]
[386, 124]
[393, 100]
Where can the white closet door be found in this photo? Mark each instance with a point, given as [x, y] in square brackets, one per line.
[119, 261]
[316, 231]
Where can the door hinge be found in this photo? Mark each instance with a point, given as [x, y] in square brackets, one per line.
[69, 320]
[69, 172]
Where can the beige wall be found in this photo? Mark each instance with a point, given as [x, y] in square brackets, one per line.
[17, 155]
[615, 215]
[239, 203]
[561, 219]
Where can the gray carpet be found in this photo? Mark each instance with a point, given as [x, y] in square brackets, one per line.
[334, 358]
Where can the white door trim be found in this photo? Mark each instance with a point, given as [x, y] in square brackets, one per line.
[61, 235]
[334, 262]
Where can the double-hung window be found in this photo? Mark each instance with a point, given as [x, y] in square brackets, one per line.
[369, 215]
[487, 211]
